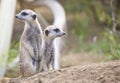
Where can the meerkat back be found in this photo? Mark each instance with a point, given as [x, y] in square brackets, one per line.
[31, 43]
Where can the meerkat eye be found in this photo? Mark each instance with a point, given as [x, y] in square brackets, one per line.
[24, 13]
[46, 32]
[56, 30]
[34, 17]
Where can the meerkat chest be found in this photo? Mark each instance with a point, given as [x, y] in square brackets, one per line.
[49, 50]
[33, 36]
[33, 32]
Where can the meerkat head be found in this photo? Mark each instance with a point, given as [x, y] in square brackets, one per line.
[26, 15]
[52, 32]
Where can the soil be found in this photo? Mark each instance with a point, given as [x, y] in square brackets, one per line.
[95, 73]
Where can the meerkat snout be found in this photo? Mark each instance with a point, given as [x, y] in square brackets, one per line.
[64, 33]
[26, 15]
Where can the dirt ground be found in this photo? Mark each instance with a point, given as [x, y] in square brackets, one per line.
[96, 73]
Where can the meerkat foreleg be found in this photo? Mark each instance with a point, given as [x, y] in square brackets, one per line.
[45, 65]
[52, 66]
[29, 49]
[26, 63]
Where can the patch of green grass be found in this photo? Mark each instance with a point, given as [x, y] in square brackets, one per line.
[13, 51]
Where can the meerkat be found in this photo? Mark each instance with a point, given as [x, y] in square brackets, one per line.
[31, 43]
[50, 33]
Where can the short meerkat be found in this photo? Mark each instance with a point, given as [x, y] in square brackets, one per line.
[31, 43]
[50, 33]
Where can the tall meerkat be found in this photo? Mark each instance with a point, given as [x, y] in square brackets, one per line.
[31, 43]
[50, 33]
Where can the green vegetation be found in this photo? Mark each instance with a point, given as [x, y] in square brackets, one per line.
[93, 25]
[14, 51]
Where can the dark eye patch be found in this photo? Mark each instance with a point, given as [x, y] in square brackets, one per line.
[56, 30]
[34, 17]
[46, 32]
[24, 13]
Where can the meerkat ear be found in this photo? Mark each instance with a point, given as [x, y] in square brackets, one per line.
[34, 16]
[46, 32]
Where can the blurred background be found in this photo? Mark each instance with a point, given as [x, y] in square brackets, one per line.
[93, 32]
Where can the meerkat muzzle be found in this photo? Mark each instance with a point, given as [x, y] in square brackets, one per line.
[64, 33]
[16, 16]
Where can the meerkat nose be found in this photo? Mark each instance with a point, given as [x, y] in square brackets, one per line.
[16, 16]
[64, 33]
